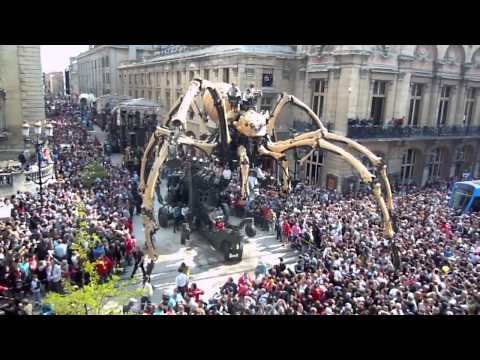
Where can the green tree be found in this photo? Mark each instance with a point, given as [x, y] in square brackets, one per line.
[92, 172]
[96, 297]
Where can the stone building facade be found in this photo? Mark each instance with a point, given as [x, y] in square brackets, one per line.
[163, 78]
[421, 100]
[415, 105]
[55, 84]
[21, 95]
[98, 66]
[74, 81]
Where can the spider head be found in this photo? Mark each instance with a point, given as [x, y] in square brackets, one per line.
[252, 124]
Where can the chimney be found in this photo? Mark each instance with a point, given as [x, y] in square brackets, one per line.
[132, 52]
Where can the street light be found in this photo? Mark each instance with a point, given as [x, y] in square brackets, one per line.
[39, 144]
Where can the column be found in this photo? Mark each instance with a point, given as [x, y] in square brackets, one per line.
[454, 99]
[402, 102]
[433, 106]
[424, 176]
[390, 99]
[457, 116]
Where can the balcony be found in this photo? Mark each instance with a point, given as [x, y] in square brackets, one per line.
[402, 132]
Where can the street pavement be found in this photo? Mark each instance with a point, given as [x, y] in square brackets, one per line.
[208, 269]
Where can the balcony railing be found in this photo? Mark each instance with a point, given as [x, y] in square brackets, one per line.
[391, 132]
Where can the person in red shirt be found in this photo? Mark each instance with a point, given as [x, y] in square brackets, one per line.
[130, 244]
[317, 293]
[286, 232]
[104, 266]
[195, 292]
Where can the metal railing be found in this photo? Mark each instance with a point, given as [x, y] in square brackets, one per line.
[389, 132]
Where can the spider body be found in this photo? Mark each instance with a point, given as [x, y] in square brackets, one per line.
[244, 134]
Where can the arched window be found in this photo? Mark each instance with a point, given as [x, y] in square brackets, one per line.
[435, 158]
[408, 166]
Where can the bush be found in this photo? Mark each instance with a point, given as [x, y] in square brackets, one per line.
[91, 173]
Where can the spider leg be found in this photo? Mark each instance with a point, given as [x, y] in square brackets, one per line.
[149, 223]
[283, 164]
[375, 160]
[277, 149]
[154, 139]
[284, 100]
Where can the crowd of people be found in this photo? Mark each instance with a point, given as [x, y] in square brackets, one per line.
[36, 253]
[345, 264]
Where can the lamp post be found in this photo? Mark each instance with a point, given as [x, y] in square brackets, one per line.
[39, 142]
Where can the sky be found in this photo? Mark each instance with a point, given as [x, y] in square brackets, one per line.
[57, 57]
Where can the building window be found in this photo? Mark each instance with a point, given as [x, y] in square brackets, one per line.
[267, 78]
[286, 74]
[318, 97]
[167, 77]
[313, 168]
[267, 103]
[249, 73]
[215, 73]
[469, 107]
[408, 166]
[179, 94]
[191, 75]
[415, 103]
[149, 94]
[136, 94]
[107, 78]
[143, 79]
[130, 93]
[107, 61]
[158, 96]
[434, 161]
[157, 79]
[378, 102]
[206, 74]
[136, 79]
[226, 75]
[142, 94]
[179, 78]
[443, 105]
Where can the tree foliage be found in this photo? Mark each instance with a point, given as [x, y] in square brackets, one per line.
[91, 172]
[96, 296]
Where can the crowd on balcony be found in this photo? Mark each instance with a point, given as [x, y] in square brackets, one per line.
[394, 122]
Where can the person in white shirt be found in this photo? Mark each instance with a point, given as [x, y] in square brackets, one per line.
[182, 282]
[252, 182]
[227, 173]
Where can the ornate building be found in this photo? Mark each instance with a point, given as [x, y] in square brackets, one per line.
[415, 105]
[21, 95]
[97, 67]
[419, 103]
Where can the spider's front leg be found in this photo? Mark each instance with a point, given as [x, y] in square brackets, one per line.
[244, 170]
[281, 158]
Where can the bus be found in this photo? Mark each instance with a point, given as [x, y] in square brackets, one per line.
[466, 196]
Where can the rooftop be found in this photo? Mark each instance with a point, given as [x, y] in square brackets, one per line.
[186, 52]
